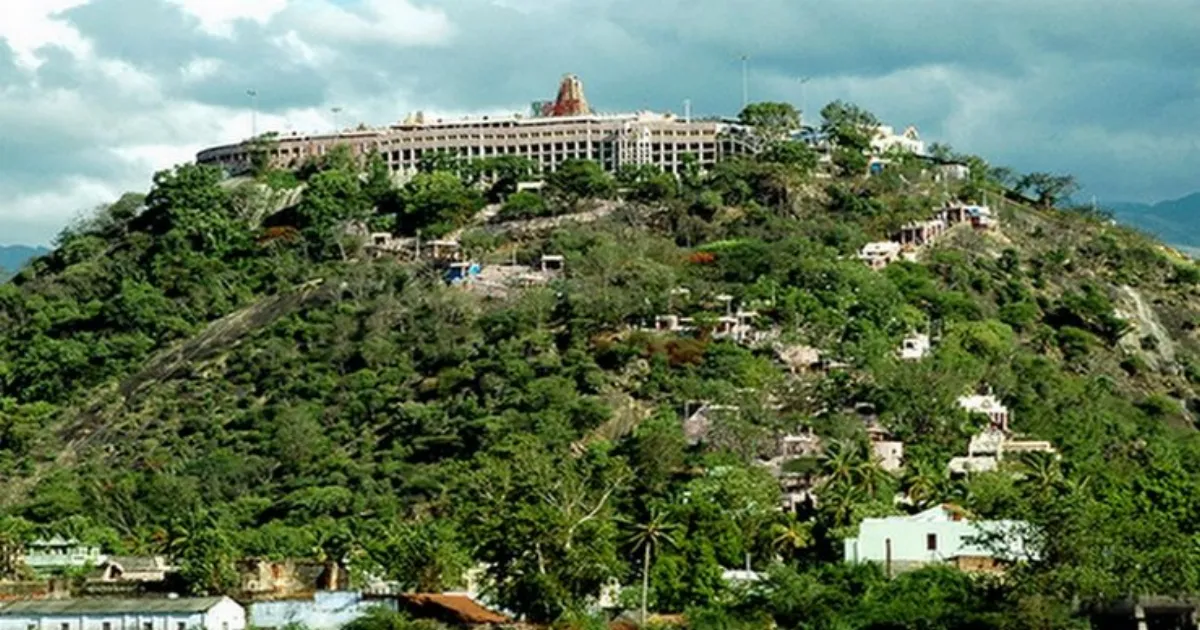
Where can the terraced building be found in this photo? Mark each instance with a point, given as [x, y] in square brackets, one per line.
[556, 131]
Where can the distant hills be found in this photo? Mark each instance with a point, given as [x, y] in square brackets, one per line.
[1176, 222]
[13, 257]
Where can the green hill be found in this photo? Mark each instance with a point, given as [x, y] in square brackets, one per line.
[208, 376]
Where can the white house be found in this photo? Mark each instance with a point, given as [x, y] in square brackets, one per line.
[939, 535]
[325, 610]
[886, 139]
[988, 405]
[199, 613]
[879, 254]
[915, 347]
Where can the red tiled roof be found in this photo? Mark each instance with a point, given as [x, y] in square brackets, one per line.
[455, 608]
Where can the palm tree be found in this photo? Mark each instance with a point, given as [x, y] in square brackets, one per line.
[870, 476]
[790, 536]
[653, 532]
[839, 462]
[921, 484]
[1042, 473]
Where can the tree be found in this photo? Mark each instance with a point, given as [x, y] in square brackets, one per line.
[378, 186]
[848, 125]
[202, 548]
[427, 556]
[190, 201]
[260, 149]
[440, 162]
[791, 536]
[504, 173]
[580, 179]
[437, 203]
[646, 183]
[13, 533]
[333, 200]
[648, 535]
[772, 121]
[544, 523]
[522, 205]
[1049, 189]
[791, 153]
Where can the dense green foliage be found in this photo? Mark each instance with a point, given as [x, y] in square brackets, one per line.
[415, 430]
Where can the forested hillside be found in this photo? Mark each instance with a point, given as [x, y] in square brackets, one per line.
[221, 369]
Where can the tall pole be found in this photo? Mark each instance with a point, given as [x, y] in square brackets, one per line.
[745, 81]
[804, 97]
[687, 110]
[337, 125]
[253, 94]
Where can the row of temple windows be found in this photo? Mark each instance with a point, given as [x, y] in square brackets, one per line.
[571, 150]
[478, 134]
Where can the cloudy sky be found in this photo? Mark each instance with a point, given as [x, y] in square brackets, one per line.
[95, 95]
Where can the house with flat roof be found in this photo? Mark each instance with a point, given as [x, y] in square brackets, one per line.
[132, 569]
[189, 613]
[879, 254]
[940, 535]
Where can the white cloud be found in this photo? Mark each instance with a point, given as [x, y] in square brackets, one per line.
[217, 17]
[389, 22]
[30, 24]
[200, 69]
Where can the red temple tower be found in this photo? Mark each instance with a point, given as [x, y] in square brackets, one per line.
[570, 100]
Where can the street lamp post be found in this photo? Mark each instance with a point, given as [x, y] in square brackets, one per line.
[337, 125]
[804, 96]
[253, 94]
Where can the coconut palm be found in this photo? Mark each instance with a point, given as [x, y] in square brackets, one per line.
[840, 461]
[790, 536]
[922, 483]
[648, 535]
[1041, 472]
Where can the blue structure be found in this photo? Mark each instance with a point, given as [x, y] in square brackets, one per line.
[462, 272]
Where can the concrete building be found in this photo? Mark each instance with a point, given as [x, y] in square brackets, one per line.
[200, 613]
[988, 448]
[939, 535]
[979, 216]
[322, 610]
[886, 139]
[987, 405]
[565, 129]
[887, 451]
[879, 254]
[133, 569]
[921, 233]
[58, 554]
[915, 347]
